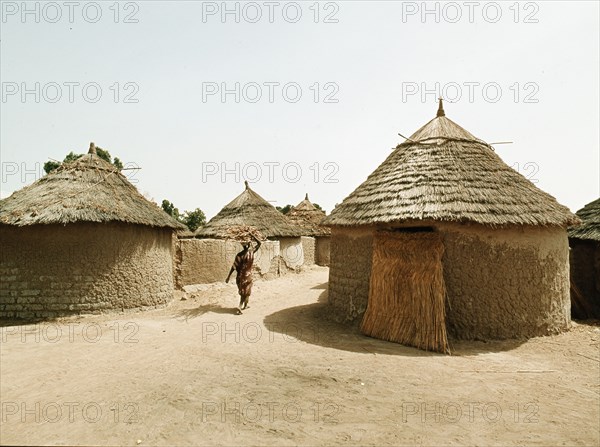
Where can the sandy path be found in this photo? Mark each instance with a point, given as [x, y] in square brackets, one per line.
[281, 374]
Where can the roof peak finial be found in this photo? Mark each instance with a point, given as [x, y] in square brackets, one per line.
[306, 197]
[92, 149]
[246, 184]
[440, 111]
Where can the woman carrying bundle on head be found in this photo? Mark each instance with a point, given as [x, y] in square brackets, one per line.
[243, 266]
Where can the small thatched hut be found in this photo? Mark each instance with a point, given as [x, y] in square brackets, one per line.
[83, 239]
[208, 258]
[444, 236]
[315, 237]
[585, 263]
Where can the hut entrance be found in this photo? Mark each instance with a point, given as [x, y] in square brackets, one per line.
[407, 292]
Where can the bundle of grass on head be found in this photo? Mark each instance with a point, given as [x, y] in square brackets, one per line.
[244, 233]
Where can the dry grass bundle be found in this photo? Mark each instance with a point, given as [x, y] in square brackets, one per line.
[244, 233]
[88, 189]
[407, 292]
[444, 173]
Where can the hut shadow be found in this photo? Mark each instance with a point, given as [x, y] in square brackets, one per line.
[9, 322]
[186, 314]
[311, 323]
[321, 286]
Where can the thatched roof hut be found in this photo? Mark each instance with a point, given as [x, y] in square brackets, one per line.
[88, 189]
[308, 217]
[82, 238]
[584, 240]
[316, 237]
[501, 242]
[589, 229]
[444, 173]
[208, 257]
[249, 209]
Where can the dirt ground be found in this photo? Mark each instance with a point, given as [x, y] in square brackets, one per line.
[194, 373]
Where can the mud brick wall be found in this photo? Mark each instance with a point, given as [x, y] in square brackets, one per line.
[308, 247]
[506, 283]
[204, 261]
[292, 253]
[322, 251]
[501, 283]
[48, 271]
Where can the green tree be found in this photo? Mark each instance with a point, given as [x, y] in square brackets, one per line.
[194, 219]
[286, 209]
[170, 209]
[51, 165]
[71, 156]
[317, 206]
[118, 163]
[191, 219]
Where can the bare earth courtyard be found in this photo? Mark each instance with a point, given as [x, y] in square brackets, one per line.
[194, 373]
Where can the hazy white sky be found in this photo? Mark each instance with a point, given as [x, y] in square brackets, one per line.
[296, 96]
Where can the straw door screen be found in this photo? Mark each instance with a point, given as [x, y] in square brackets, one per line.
[407, 292]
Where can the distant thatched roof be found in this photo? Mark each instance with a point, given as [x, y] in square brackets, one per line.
[88, 189]
[308, 217]
[444, 173]
[249, 209]
[590, 227]
[185, 233]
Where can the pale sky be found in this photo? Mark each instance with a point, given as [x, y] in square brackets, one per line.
[317, 106]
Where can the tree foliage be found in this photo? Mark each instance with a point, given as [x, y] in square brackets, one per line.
[170, 209]
[51, 165]
[286, 209]
[192, 219]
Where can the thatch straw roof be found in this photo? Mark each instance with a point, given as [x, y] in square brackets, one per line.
[308, 217]
[444, 173]
[590, 227]
[88, 189]
[185, 233]
[249, 209]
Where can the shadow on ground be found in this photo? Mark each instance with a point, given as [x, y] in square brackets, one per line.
[186, 314]
[7, 322]
[312, 324]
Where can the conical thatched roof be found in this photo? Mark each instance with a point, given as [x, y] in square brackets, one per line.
[444, 173]
[590, 227]
[249, 209]
[308, 217]
[88, 189]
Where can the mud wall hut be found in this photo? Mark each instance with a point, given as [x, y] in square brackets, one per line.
[315, 237]
[444, 220]
[209, 256]
[584, 241]
[204, 261]
[83, 239]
